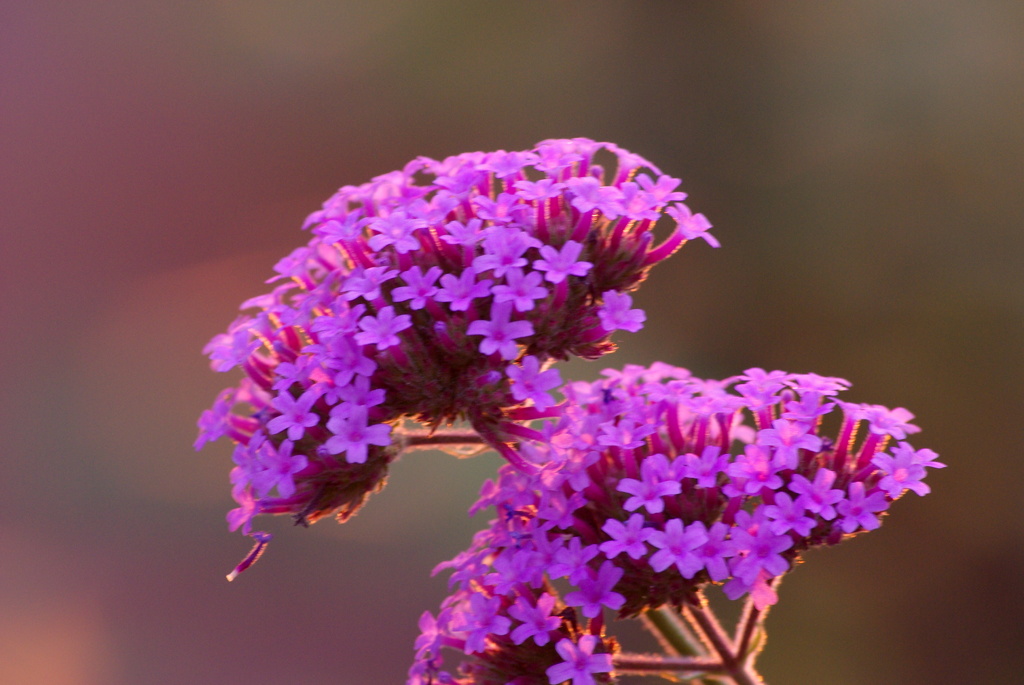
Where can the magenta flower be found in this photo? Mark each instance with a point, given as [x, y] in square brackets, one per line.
[425, 284]
[382, 330]
[596, 591]
[654, 486]
[788, 514]
[537, 621]
[560, 264]
[677, 545]
[905, 469]
[817, 497]
[861, 511]
[352, 433]
[692, 225]
[480, 620]
[628, 537]
[580, 662]
[460, 291]
[753, 470]
[626, 517]
[761, 550]
[296, 414]
[530, 382]
[279, 467]
[788, 438]
[616, 313]
[522, 289]
[419, 287]
[500, 333]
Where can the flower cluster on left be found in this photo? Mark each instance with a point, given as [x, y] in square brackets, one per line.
[440, 292]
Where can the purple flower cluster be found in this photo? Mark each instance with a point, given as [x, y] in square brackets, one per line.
[440, 292]
[648, 485]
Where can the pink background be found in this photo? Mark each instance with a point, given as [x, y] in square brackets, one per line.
[862, 164]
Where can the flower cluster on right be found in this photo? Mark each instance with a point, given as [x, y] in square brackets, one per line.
[650, 484]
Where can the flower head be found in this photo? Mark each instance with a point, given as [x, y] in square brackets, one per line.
[665, 483]
[428, 286]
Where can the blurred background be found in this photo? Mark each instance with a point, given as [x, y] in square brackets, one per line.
[862, 164]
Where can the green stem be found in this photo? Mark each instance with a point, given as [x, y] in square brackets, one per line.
[707, 623]
[748, 623]
[674, 635]
[458, 443]
[646, 664]
[751, 620]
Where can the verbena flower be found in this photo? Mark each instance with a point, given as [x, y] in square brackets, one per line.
[439, 292]
[650, 484]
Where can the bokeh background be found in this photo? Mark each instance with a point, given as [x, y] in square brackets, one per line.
[862, 164]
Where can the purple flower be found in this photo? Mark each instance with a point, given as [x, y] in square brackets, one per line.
[334, 231]
[638, 204]
[396, 273]
[714, 552]
[213, 423]
[628, 537]
[571, 561]
[559, 264]
[499, 332]
[807, 410]
[530, 383]
[231, 349]
[503, 250]
[596, 591]
[366, 283]
[643, 502]
[905, 469]
[359, 393]
[352, 433]
[537, 621]
[382, 330]
[652, 489]
[788, 438]
[242, 515]
[754, 470]
[884, 421]
[817, 497]
[544, 189]
[465, 234]
[395, 230]
[788, 514]
[482, 620]
[500, 211]
[580, 662]
[626, 433]
[677, 545]
[296, 414]
[460, 291]
[616, 313]
[663, 190]
[692, 225]
[279, 468]
[520, 289]
[860, 510]
[588, 193]
[707, 467]
[592, 527]
[513, 569]
[762, 550]
[431, 634]
[420, 286]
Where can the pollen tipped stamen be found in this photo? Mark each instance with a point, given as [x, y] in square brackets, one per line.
[262, 539]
